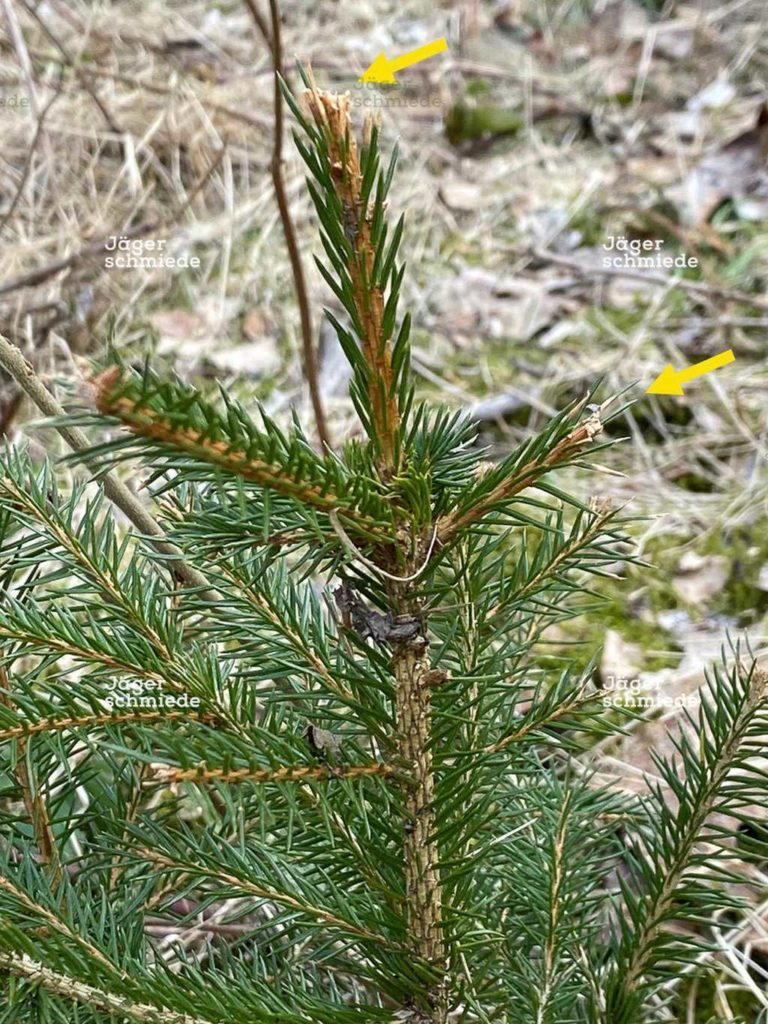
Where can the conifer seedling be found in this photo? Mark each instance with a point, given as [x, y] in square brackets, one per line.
[338, 781]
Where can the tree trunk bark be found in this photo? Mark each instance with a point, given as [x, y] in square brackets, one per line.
[422, 874]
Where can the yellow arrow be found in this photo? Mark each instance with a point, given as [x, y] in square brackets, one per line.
[382, 70]
[670, 381]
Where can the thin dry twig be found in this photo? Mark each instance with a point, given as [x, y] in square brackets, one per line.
[261, 22]
[311, 371]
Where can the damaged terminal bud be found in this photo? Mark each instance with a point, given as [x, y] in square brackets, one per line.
[373, 625]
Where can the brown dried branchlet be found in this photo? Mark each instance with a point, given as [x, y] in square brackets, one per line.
[146, 422]
[331, 114]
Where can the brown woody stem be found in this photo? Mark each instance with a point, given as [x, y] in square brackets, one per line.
[331, 114]
[452, 525]
[297, 773]
[148, 423]
[98, 999]
[423, 889]
[94, 721]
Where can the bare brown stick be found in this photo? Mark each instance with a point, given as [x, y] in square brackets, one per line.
[92, 249]
[311, 372]
[261, 22]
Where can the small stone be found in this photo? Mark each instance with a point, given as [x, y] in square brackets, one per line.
[461, 195]
[700, 577]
